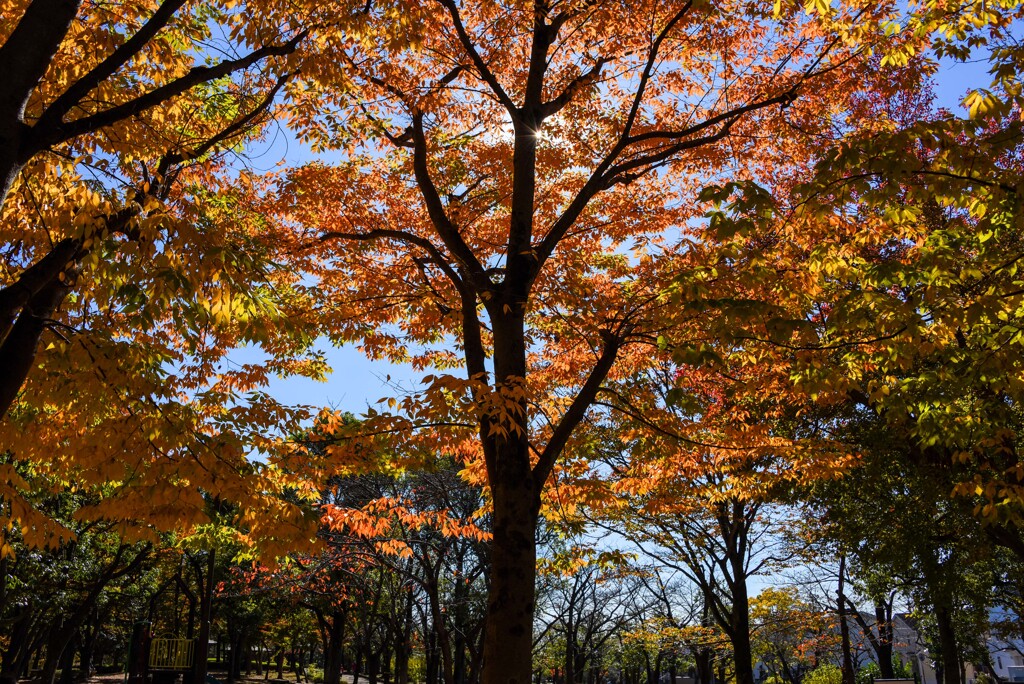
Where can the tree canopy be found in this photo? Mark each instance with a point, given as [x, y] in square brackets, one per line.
[666, 267]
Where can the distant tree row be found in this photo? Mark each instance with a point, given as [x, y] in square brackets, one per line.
[811, 588]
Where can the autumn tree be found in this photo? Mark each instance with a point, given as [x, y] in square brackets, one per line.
[528, 163]
[129, 266]
[885, 294]
[790, 634]
[719, 548]
[99, 85]
[887, 283]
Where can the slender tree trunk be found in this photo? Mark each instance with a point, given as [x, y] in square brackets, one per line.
[88, 647]
[373, 666]
[740, 636]
[883, 623]
[67, 660]
[844, 625]
[56, 642]
[403, 644]
[432, 658]
[704, 666]
[245, 653]
[476, 656]
[202, 648]
[4, 568]
[19, 647]
[459, 655]
[569, 666]
[442, 637]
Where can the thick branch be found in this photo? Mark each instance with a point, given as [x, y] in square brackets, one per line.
[534, 90]
[28, 51]
[445, 229]
[726, 118]
[645, 76]
[575, 86]
[19, 348]
[58, 132]
[114, 61]
[32, 280]
[577, 409]
[27, 304]
[608, 173]
[383, 233]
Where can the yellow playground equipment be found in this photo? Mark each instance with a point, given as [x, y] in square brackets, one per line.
[171, 654]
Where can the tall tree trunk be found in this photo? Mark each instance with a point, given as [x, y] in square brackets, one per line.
[88, 647]
[442, 637]
[459, 655]
[432, 666]
[372, 666]
[740, 634]
[19, 647]
[245, 653]
[403, 644]
[883, 622]
[56, 642]
[333, 646]
[202, 648]
[508, 643]
[67, 660]
[569, 667]
[704, 666]
[844, 625]
[297, 664]
[948, 644]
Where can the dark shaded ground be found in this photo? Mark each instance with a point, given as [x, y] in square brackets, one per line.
[289, 678]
